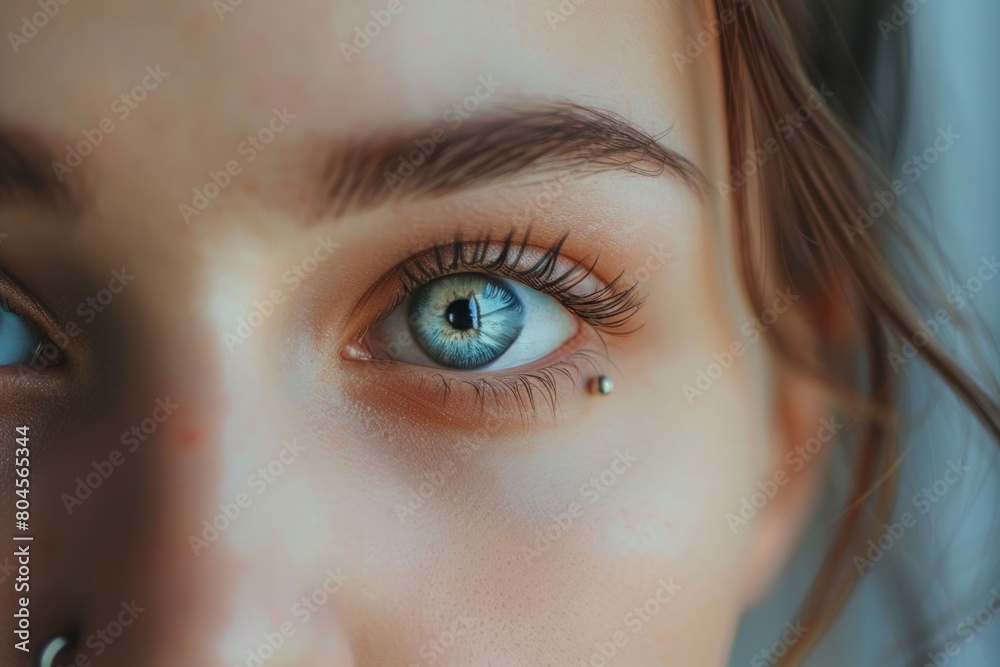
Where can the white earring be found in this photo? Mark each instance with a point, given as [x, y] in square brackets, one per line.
[51, 649]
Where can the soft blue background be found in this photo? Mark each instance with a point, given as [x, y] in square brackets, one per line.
[951, 559]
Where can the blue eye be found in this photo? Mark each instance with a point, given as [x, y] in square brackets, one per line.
[473, 321]
[18, 339]
[465, 321]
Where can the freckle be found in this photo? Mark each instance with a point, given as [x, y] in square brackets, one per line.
[191, 437]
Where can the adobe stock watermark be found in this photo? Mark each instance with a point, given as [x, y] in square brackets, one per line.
[223, 7]
[302, 611]
[899, 16]
[633, 622]
[553, 188]
[435, 479]
[562, 12]
[131, 441]
[30, 25]
[928, 329]
[537, 205]
[293, 278]
[968, 630]
[248, 150]
[259, 481]
[913, 169]
[655, 260]
[751, 331]
[364, 34]
[696, 45]
[592, 490]
[121, 107]
[923, 501]
[88, 310]
[962, 294]
[773, 654]
[453, 117]
[795, 462]
[434, 649]
[103, 638]
[787, 126]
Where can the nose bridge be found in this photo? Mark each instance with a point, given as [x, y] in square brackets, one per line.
[261, 485]
[283, 594]
[286, 598]
[233, 567]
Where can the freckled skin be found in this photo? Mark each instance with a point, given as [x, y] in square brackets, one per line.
[416, 532]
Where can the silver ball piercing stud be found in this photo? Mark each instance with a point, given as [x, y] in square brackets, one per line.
[602, 385]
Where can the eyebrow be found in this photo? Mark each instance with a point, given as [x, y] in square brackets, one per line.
[435, 161]
[508, 142]
[26, 177]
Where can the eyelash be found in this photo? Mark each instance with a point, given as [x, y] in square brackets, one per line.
[520, 388]
[609, 309]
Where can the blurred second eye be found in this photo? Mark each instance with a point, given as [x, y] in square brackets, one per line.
[473, 321]
[18, 339]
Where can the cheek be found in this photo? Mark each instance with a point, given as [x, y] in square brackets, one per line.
[665, 522]
[619, 527]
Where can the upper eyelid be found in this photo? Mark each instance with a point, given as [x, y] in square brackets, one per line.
[606, 305]
[25, 304]
[504, 258]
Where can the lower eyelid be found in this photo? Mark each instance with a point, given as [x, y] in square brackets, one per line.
[464, 400]
[24, 381]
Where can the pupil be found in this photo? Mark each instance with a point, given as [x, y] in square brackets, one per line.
[461, 314]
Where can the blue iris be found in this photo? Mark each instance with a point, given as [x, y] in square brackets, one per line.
[17, 340]
[466, 320]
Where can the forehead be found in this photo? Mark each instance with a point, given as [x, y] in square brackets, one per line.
[348, 65]
[339, 70]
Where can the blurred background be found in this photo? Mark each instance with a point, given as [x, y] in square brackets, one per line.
[940, 581]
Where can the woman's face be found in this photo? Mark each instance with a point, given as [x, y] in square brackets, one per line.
[274, 429]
